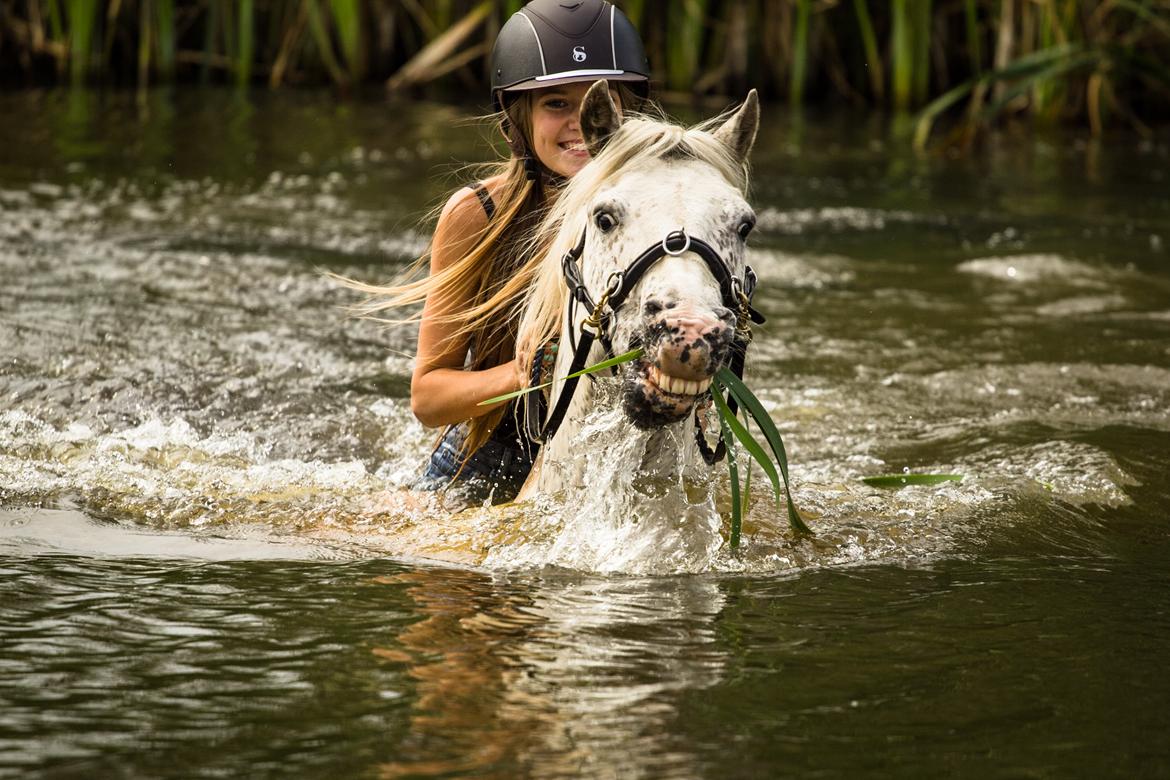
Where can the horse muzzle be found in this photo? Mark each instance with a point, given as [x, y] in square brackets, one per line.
[682, 351]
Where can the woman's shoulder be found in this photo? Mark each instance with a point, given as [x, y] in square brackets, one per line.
[463, 219]
[465, 207]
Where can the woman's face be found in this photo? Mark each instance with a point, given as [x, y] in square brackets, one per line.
[556, 127]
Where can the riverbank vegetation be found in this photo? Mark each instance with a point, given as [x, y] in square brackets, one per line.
[974, 62]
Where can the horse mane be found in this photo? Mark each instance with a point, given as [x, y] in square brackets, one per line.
[641, 139]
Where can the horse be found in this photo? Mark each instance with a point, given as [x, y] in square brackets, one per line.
[645, 247]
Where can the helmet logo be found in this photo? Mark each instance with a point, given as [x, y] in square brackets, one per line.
[579, 54]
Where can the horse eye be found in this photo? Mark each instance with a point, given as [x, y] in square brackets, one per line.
[605, 221]
[745, 228]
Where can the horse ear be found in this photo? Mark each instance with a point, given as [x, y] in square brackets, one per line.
[739, 132]
[600, 117]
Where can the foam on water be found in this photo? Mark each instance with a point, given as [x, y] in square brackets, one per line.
[1035, 268]
[836, 219]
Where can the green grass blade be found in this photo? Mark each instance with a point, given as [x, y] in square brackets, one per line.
[1045, 63]
[733, 474]
[513, 394]
[1143, 12]
[747, 477]
[936, 107]
[751, 404]
[1040, 75]
[902, 480]
[756, 451]
[626, 357]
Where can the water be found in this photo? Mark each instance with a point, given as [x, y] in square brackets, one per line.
[204, 571]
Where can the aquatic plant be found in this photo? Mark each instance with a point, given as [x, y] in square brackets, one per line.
[970, 62]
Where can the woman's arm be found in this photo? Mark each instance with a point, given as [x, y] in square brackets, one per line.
[441, 391]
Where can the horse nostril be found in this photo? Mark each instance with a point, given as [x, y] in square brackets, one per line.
[725, 314]
[652, 307]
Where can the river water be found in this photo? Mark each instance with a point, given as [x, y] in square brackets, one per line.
[199, 575]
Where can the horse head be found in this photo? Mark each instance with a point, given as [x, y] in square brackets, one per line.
[682, 212]
[645, 247]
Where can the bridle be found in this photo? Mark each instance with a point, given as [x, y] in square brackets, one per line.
[735, 292]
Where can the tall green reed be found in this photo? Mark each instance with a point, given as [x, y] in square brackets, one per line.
[799, 52]
[246, 42]
[685, 39]
[82, 17]
[903, 53]
[347, 18]
[873, 58]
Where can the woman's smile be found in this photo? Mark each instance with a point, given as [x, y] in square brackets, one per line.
[556, 129]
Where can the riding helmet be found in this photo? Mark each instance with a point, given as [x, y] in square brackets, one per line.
[551, 42]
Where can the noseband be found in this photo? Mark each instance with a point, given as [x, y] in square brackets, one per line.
[736, 295]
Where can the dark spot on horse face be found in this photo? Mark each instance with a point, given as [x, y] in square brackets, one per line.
[652, 307]
[717, 342]
[647, 409]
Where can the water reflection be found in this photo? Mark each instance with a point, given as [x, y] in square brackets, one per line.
[562, 677]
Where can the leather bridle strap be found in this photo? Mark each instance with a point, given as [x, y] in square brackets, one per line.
[675, 244]
[736, 295]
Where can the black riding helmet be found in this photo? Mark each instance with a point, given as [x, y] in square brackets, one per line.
[551, 42]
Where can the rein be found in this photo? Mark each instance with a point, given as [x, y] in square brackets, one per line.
[736, 295]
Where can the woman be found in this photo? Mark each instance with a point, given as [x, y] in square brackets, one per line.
[545, 58]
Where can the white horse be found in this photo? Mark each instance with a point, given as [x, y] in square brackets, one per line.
[654, 229]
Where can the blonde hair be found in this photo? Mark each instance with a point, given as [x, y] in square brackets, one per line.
[640, 139]
[492, 279]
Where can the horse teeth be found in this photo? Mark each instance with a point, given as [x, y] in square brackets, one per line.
[674, 384]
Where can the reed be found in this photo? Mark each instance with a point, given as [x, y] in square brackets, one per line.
[1108, 61]
[684, 42]
[799, 52]
[164, 18]
[902, 54]
[921, 36]
[347, 18]
[873, 59]
[245, 43]
[82, 18]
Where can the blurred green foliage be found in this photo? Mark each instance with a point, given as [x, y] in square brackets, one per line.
[976, 61]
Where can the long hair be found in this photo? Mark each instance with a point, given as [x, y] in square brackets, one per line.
[491, 280]
[640, 138]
